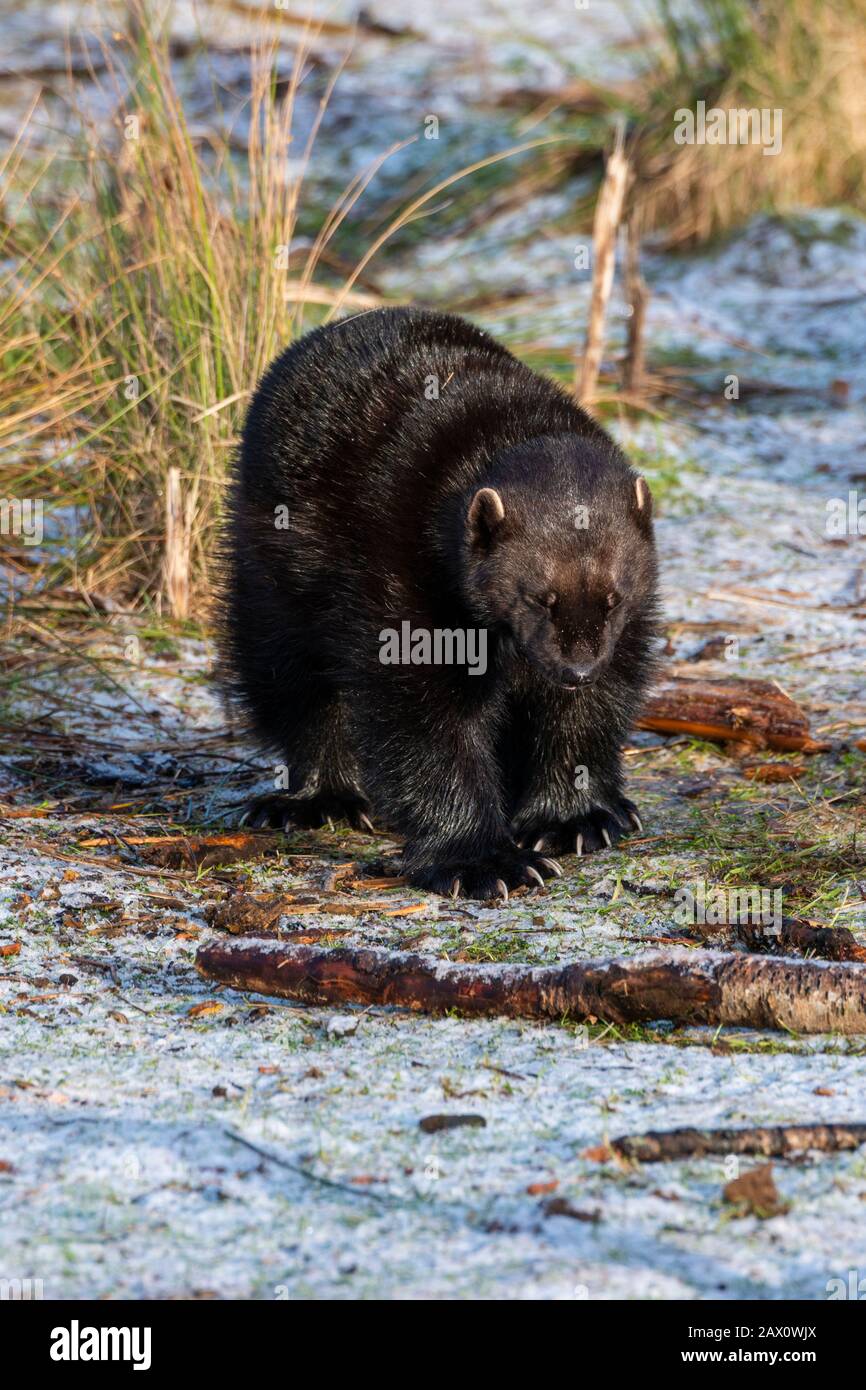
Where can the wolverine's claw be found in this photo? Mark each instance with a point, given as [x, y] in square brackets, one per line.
[367, 823]
[636, 821]
[245, 817]
[606, 837]
[578, 846]
[533, 873]
[539, 844]
[455, 888]
[503, 890]
[553, 866]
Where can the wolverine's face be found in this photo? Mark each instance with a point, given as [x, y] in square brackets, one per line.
[562, 577]
[565, 623]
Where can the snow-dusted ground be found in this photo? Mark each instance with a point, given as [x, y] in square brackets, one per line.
[126, 1120]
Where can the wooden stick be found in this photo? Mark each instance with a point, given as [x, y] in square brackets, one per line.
[636, 291]
[773, 1141]
[608, 211]
[709, 987]
[177, 546]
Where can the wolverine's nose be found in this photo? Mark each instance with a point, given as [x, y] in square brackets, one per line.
[578, 673]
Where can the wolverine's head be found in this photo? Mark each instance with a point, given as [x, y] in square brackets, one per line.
[559, 553]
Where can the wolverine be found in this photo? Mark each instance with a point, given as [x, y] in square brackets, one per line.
[402, 468]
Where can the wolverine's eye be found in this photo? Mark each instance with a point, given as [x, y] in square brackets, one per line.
[547, 600]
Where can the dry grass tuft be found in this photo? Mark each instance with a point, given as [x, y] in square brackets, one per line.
[805, 59]
[148, 291]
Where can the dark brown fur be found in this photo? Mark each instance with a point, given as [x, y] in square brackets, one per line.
[494, 504]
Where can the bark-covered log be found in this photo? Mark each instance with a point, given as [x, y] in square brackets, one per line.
[742, 711]
[689, 987]
[771, 1141]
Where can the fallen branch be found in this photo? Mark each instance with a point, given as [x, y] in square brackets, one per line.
[829, 943]
[270, 914]
[206, 851]
[772, 1141]
[305, 936]
[690, 987]
[744, 711]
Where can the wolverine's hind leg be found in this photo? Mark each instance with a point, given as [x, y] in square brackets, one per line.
[324, 783]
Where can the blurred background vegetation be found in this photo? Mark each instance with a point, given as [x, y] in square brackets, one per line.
[153, 261]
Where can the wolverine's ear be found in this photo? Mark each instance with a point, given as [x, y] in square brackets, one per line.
[643, 503]
[485, 516]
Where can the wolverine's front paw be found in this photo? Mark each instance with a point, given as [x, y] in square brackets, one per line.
[281, 811]
[491, 876]
[599, 828]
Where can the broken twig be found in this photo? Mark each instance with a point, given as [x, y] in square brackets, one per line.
[608, 211]
[772, 1141]
[636, 292]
